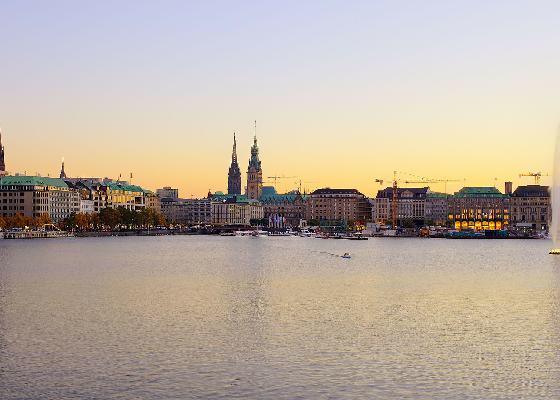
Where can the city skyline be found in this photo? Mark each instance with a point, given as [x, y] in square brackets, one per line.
[437, 90]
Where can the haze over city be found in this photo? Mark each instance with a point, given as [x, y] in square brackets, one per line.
[343, 93]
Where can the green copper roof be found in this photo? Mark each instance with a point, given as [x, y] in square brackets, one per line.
[437, 195]
[479, 192]
[32, 181]
[125, 187]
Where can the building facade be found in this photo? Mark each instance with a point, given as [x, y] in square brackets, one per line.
[436, 209]
[33, 196]
[530, 208]
[167, 192]
[254, 173]
[152, 201]
[283, 210]
[337, 205]
[233, 211]
[234, 173]
[479, 208]
[411, 206]
[109, 194]
[187, 211]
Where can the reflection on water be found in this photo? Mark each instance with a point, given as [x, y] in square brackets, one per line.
[224, 317]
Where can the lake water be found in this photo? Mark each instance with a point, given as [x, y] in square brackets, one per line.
[278, 318]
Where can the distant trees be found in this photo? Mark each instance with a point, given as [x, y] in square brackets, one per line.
[113, 218]
[22, 221]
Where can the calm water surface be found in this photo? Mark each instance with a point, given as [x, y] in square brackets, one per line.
[278, 318]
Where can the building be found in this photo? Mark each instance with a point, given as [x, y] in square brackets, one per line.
[254, 173]
[236, 211]
[479, 208]
[87, 206]
[106, 193]
[234, 173]
[337, 206]
[530, 208]
[167, 193]
[411, 206]
[2, 161]
[436, 210]
[283, 210]
[187, 211]
[152, 201]
[33, 196]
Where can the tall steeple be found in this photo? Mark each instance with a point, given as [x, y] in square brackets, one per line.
[62, 173]
[234, 173]
[254, 172]
[2, 162]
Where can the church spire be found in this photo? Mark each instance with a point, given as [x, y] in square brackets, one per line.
[255, 139]
[62, 173]
[2, 163]
[234, 151]
[234, 173]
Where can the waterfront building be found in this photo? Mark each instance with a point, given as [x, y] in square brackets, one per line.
[530, 208]
[337, 206]
[479, 208]
[124, 195]
[187, 211]
[167, 193]
[87, 206]
[283, 210]
[33, 196]
[236, 211]
[436, 210]
[152, 201]
[107, 193]
[254, 173]
[234, 173]
[2, 161]
[411, 206]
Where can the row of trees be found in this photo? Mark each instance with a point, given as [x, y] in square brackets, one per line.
[110, 218]
[21, 221]
[113, 218]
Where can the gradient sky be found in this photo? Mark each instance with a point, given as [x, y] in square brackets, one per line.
[344, 92]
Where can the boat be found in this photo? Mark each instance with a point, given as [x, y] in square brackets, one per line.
[346, 255]
[227, 234]
[555, 252]
[36, 234]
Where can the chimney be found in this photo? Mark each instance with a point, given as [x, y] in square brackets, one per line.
[509, 188]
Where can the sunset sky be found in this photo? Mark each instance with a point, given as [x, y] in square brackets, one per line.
[344, 92]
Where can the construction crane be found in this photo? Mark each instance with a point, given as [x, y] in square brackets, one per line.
[276, 177]
[299, 184]
[394, 198]
[435, 181]
[536, 175]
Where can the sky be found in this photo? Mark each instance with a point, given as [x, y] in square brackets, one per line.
[344, 92]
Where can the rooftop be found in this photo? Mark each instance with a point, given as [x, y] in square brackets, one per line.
[32, 181]
[479, 192]
[531, 191]
[336, 191]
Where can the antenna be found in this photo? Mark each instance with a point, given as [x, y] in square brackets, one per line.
[255, 130]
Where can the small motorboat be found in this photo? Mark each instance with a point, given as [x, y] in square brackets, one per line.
[346, 255]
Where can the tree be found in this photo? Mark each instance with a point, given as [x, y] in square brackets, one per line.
[41, 220]
[109, 217]
[82, 221]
